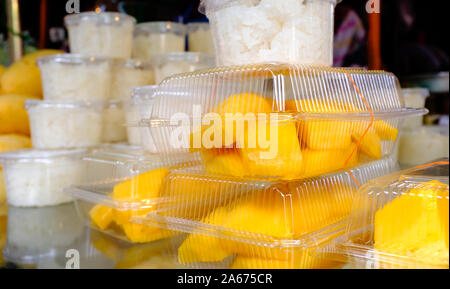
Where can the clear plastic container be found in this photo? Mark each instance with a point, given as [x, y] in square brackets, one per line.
[114, 124]
[258, 224]
[153, 255]
[38, 234]
[277, 120]
[105, 34]
[400, 221]
[257, 31]
[422, 145]
[117, 186]
[128, 74]
[153, 38]
[200, 38]
[414, 98]
[180, 62]
[36, 178]
[65, 124]
[75, 77]
[137, 108]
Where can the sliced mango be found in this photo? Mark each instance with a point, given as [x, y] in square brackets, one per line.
[224, 162]
[325, 135]
[385, 131]
[13, 116]
[138, 233]
[318, 162]
[101, 216]
[143, 186]
[240, 262]
[201, 249]
[410, 226]
[370, 144]
[2, 189]
[443, 202]
[277, 153]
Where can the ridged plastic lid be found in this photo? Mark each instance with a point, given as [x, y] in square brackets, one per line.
[33, 155]
[72, 59]
[401, 220]
[201, 59]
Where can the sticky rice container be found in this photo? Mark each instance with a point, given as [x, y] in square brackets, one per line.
[180, 62]
[128, 74]
[290, 31]
[65, 124]
[415, 98]
[137, 108]
[114, 123]
[200, 38]
[75, 77]
[153, 38]
[36, 178]
[105, 34]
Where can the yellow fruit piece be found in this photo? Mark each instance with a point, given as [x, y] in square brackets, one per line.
[318, 162]
[410, 226]
[239, 106]
[325, 135]
[224, 162]
[2, 189]
[141, 187]
[23, 76]
[124, 216]
[370, 144]
[3, 225]
[13, 116]
[2, 70]
[384, 130]
[260, 263]
[318, 106]
[201, 248]
[101, 216]
[270, 217]
[443, 202]
[138, 233]
[277, 153]
[107, 248]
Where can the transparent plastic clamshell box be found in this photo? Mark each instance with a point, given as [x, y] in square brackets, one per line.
[400, 221]
[256, 223]
[278, 120]
[118, 183]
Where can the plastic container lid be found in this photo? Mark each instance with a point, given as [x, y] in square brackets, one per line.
[143, 93]
[160, 27]
[133, 63]
[319, 114]
[68, 104]
[202, 59]
[258, 221]
[207, 6]
[33, 155]
[100, 18]
[401, 220]
[72, 59]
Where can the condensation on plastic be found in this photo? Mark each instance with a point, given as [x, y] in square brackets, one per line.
[327, 119]
[400, 221]
[261, 223]
[118, 185]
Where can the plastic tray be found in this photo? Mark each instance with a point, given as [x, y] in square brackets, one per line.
[251, 223]
[319, 120]
[118, 184]
[401, 221]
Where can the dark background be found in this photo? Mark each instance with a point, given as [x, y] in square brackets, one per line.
[419, 48]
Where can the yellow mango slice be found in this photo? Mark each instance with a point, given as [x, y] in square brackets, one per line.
[370, 144]
[410, 226]
[277, 153]
[240, 262]
[325, 135]
[13, 116]
[101, 216]
[318, 162]
[443, 202]
[143, 186]
[201, 249]
[385, 131]
[138, 233]
[224, 162]
[2, 189]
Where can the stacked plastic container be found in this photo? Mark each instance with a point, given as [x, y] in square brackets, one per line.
[401, 221]
[256, 166]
